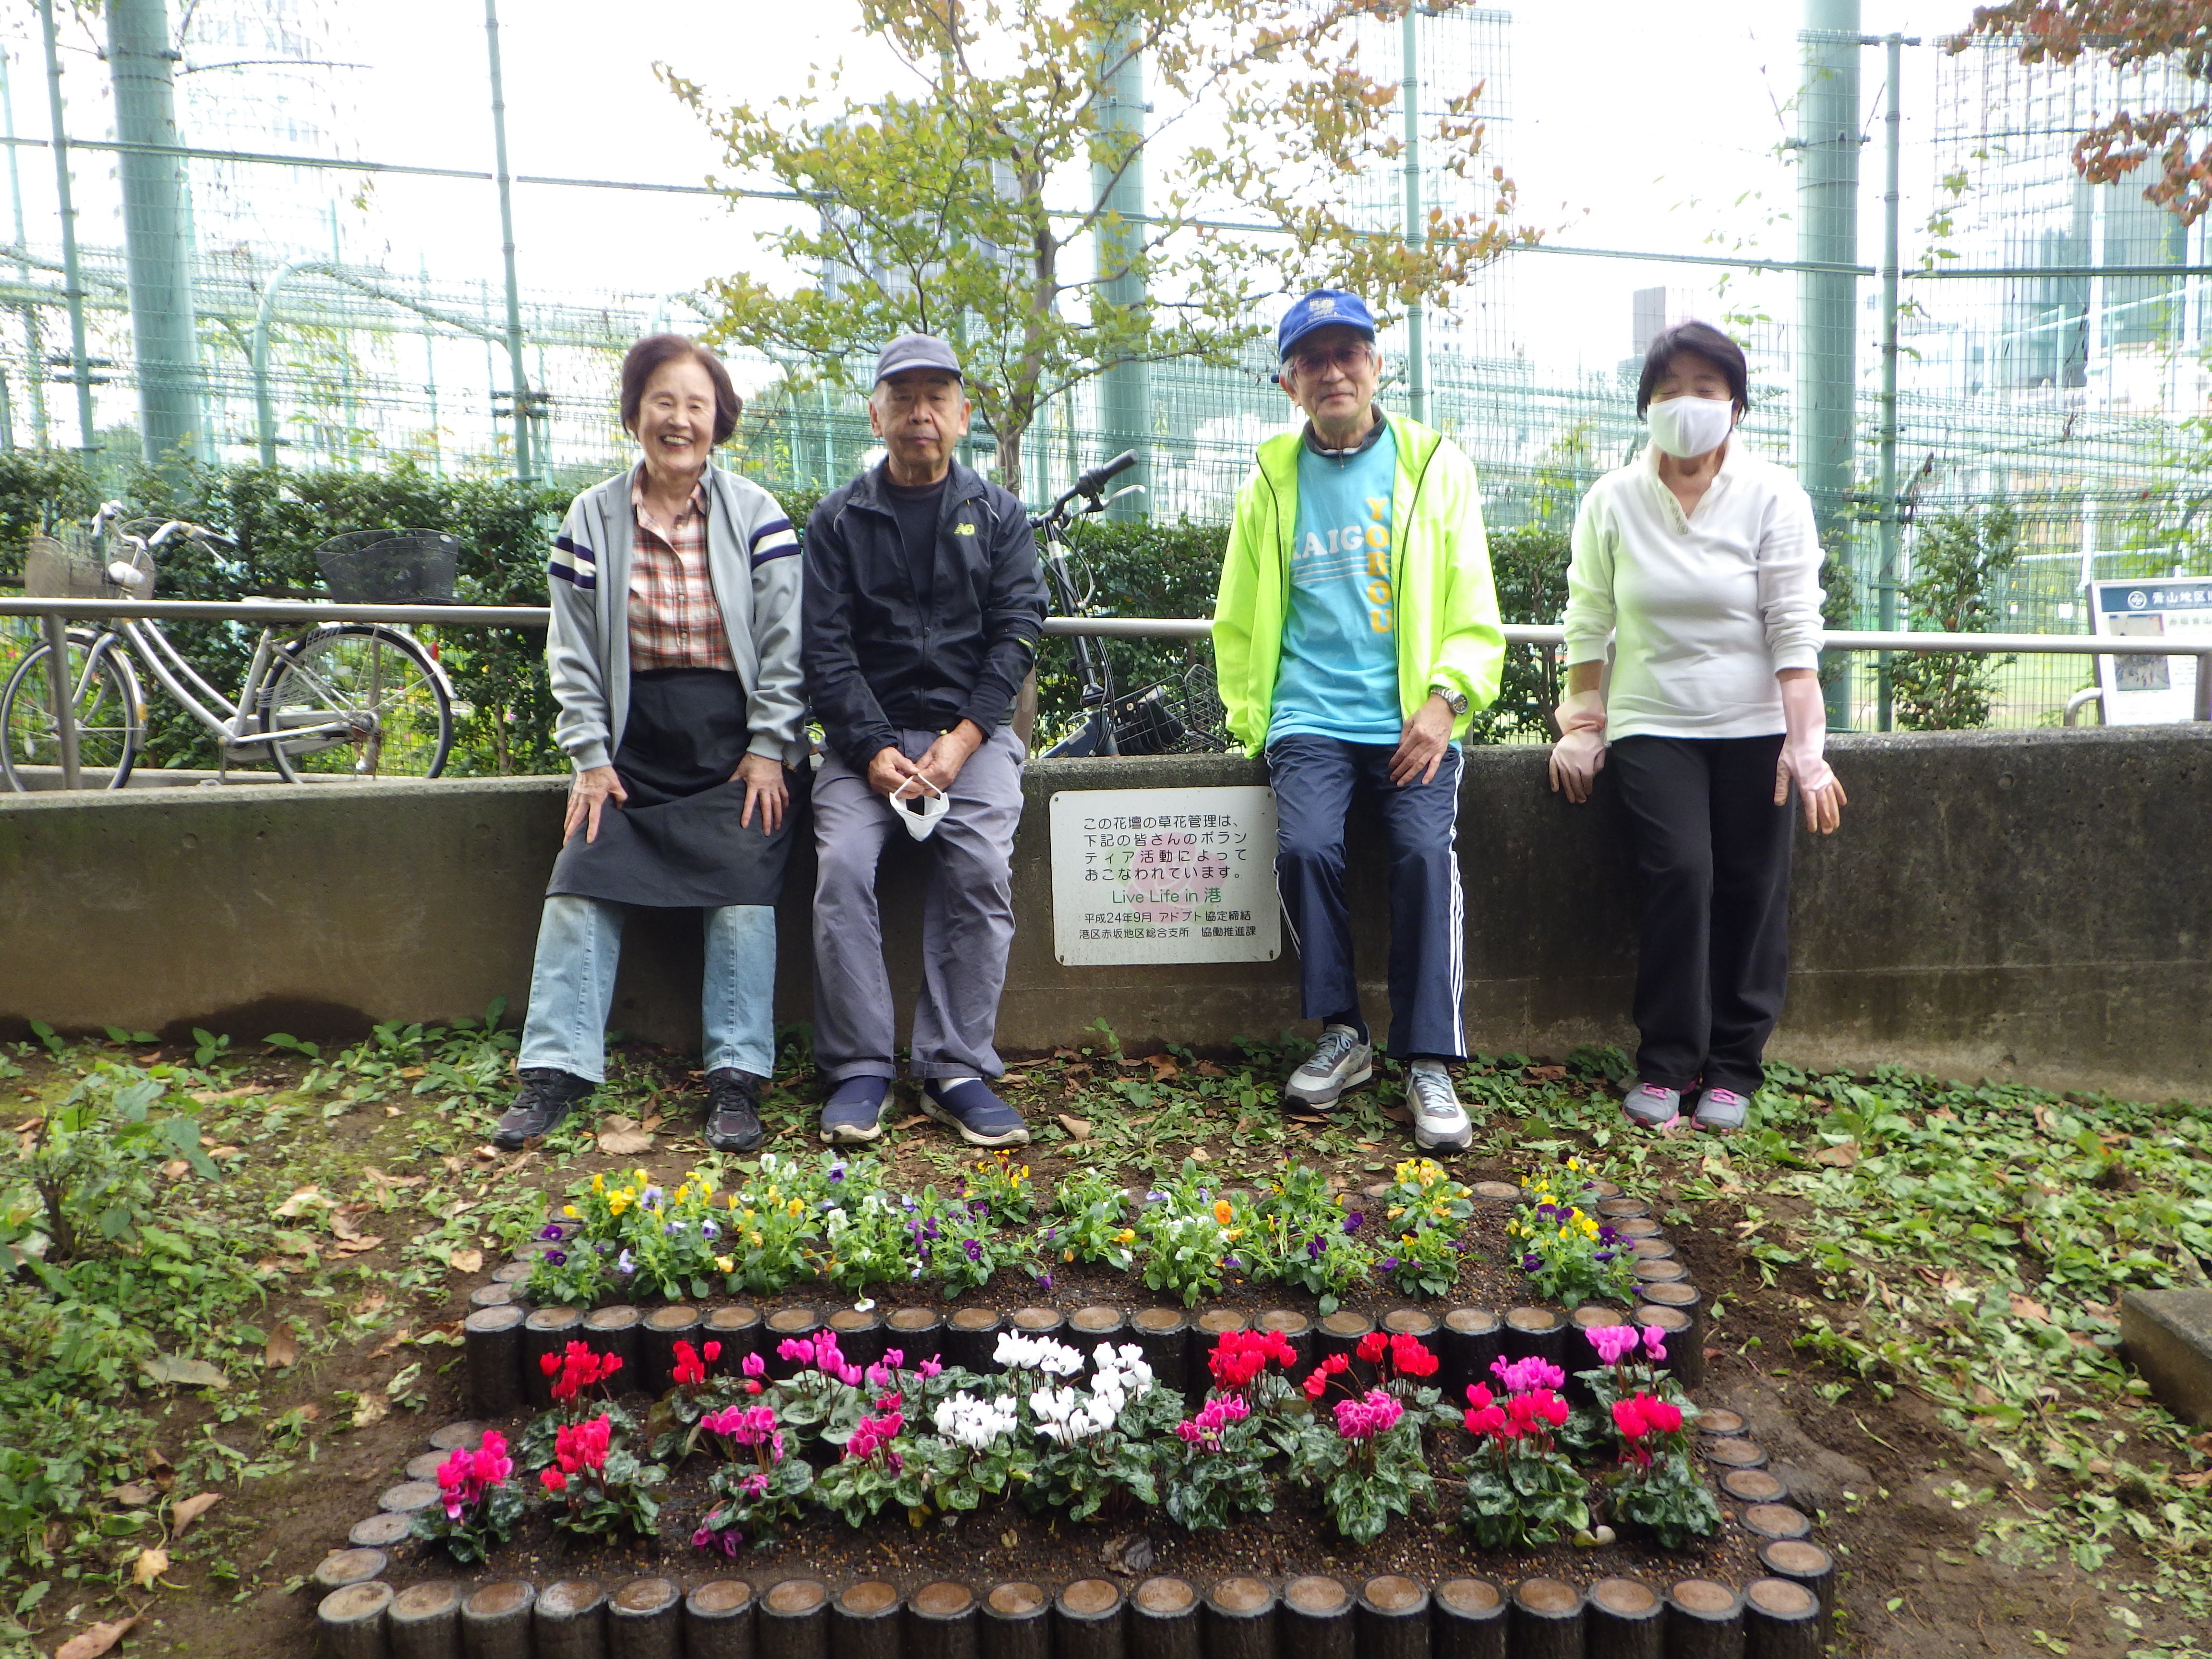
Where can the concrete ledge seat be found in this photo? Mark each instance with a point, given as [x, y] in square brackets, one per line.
[2029, 904]
[2168, 1336]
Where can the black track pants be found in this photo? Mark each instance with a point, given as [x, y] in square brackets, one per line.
[1713, 851]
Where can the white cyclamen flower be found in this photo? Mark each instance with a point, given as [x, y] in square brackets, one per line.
[976, 1423]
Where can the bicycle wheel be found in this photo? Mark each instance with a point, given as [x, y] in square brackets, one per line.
[110, 709]
[380, 684]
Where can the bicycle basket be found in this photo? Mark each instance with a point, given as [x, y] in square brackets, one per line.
[1145, 722]
[389, 567]
[68, 567]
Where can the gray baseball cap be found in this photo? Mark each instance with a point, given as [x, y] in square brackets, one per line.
[916, 351]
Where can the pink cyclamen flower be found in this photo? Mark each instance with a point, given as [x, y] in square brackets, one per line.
[1522, 1374]
[1655, 1343]
[929, 1368]
[1613, 1343]
[753, 1365]
[1368, 1416]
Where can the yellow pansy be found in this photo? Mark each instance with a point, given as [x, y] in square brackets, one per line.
[723, 1264]
[568, 1210]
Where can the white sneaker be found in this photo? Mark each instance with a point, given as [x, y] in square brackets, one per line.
[1340, 1062]
[1439, 1121]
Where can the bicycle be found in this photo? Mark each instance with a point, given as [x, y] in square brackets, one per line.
[1180, 715]
[359, 700]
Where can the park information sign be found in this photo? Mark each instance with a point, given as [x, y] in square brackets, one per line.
[1164, 875]
[2152, 690]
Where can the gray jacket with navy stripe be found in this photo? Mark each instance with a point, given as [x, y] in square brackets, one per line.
[752, 558]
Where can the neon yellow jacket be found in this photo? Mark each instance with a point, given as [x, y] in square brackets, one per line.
[1447, 621]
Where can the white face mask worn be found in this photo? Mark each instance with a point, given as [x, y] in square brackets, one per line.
[1689, 427]
[920, 812]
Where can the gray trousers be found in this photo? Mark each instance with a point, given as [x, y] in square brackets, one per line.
[967, 923]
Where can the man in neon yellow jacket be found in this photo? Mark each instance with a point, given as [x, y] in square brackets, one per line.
[1355, 631]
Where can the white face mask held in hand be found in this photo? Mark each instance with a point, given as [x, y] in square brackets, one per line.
[1689, 427]
[920, 812]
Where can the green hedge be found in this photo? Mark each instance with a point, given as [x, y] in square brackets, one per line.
[280, 516]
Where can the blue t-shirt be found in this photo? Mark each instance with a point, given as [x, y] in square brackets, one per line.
[1338, 677]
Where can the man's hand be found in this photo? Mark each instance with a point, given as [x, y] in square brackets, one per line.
[1421, 745]
[589, 791]
[763, 777]
[942, 761]
[889, 771]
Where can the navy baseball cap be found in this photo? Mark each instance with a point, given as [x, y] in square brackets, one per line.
[1319, 309]
[916, 351]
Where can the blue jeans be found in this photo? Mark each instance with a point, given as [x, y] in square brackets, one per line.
[572, 986]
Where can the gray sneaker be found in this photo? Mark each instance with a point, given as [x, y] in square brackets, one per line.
[1340, 1062]
[1440, 1122]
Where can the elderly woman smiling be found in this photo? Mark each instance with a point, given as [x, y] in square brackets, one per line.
[674, 656]
[1696, 567]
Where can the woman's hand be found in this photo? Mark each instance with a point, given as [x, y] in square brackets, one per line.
[589, 791]
[763, 777]
[1579, 754]
[1804, 763]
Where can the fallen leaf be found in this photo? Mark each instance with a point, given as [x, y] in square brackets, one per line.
[309, 1412]
[449, 1334]
[487, 1154]
[1207, 1068]
[1201, 1155]
[1547, 1073]
[2195, 1482]
[470, 1261]
[391, 1344]
[1837, 1158]
[356, 1246]
[1080, 1128]
[226, 1152]
[400, 1183]
[166, 1369]
[91, 1643]
[371, 1409]
[372, 1303]
[281, 1352]
[344, 1222]
[1076, 1074]
[1397, 1112]
[2027, 1308]
[182, 1516]
[654, 1121]
[1164, 1068]
[303, 1198]
[133, 1493]
[147, 1565]
[627, 1143]
[175, 1168]
[410, 1073]
[912, 1122]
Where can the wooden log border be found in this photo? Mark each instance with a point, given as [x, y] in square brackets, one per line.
[1785, 1614]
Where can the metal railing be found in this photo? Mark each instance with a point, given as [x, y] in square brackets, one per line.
[54, 613]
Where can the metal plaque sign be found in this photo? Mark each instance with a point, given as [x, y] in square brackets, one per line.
[1164, 875]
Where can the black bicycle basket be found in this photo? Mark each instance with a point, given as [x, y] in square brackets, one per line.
[390, 567]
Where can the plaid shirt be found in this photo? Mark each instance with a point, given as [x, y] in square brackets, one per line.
[674, 620]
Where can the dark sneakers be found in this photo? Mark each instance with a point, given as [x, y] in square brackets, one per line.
[733, 1122]
[982, 1117]
[854, 1114]
[547, 1095]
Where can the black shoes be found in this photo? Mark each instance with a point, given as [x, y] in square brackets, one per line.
[547, 1095]
[733, 1122]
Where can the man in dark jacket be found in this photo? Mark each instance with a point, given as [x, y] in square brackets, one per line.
[922, 608]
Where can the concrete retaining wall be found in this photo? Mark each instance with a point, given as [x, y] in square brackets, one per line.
[2030, 904]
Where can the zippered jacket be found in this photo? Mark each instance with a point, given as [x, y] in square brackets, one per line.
[875, 660]
[752, 560]
[1447, 625]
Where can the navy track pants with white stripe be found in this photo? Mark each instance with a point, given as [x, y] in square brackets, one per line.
[1315, 781]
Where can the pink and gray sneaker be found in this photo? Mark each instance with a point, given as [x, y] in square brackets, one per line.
[1651, 1107]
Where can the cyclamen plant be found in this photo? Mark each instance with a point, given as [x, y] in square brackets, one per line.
[1520, 1490]
[1657, 1485]
[580, 1379]
[757, 1487]
[1364, 1455]
[479, 1502]
[597, 1488]
[1100, 1449]
[876, 1467]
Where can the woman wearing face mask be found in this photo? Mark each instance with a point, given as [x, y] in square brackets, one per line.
[1698, 565]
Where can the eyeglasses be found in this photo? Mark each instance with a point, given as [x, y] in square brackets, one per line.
[1347, 358]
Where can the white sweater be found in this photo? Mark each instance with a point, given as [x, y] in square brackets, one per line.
[1703, 610]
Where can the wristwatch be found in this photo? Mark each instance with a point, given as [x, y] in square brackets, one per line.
[1456, 700]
